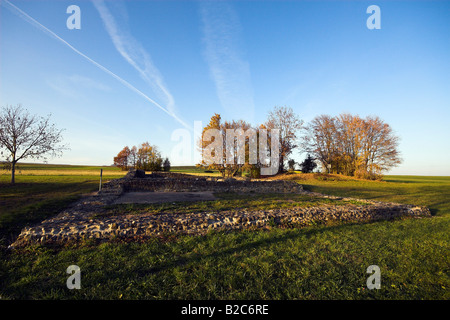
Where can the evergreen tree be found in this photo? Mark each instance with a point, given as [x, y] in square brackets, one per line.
[308, 165]
[166, 165]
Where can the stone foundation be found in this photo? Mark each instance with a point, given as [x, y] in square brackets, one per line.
[136, 180]
[75, 224]
[60, 230]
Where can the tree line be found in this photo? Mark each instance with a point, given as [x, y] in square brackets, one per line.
[147, 157]
[352, 146]
[281, 118]
[344, 144]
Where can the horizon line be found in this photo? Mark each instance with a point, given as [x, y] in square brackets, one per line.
[193, 165]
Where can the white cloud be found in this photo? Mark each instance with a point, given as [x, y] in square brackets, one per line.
[62, 88]
[75, 86]
[88, 83]
[228, 67]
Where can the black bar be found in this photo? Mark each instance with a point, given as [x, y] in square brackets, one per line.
[173, 309]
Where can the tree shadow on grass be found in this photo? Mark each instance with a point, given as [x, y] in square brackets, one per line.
[12, 222]
[436, 211]
[248, 246]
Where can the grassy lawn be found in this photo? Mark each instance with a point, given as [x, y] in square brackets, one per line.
[193, 170]
[41, 191]
[227, 201]
[433, 192]
[321, 262]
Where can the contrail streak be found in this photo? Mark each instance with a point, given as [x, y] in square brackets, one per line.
[32, 21]
[134, 53]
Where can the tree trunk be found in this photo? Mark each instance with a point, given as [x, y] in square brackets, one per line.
[281, 164]
[13, 171]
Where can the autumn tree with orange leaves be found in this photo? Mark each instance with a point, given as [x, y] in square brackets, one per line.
[351, 145]
[225, 156]
[122, 160]
[147, 157]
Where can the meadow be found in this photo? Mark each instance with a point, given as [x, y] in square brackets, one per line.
[316, 262]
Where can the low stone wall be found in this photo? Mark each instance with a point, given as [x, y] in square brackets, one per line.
[191, 185]
[136, 180]
[75, 225]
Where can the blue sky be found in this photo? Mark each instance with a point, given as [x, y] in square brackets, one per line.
[138, 71]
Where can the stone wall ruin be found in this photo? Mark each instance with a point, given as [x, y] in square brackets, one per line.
[137, 180]
[76, 223]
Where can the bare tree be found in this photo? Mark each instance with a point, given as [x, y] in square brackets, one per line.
[380, 147]
[27, 136]
[289, 124]
[132, 158]
[321, 141]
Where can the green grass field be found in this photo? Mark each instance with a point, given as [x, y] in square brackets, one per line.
[224, 202]
[320, 262]
[41, 191]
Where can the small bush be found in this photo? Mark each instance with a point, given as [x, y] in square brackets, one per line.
[362, 174]
[251, 172]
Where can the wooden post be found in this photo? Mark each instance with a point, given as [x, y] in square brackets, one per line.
[100, 187]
